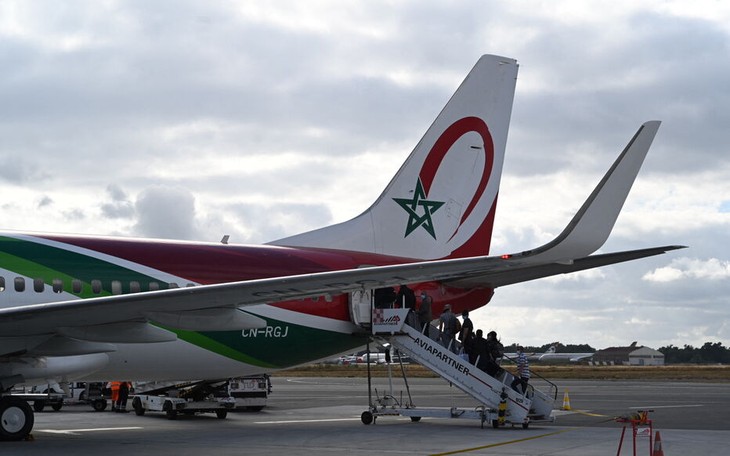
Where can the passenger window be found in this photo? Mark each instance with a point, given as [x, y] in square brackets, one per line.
[2, 283]
[76, 286]
[57, 285]
[116, 287]
[190, 284]
[134, 287]
[19, 284]
[173, 285]
[38, 285]
[154, 286]
[96, 286]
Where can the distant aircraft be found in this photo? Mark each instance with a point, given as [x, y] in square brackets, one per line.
[98, 308]
[550, 355]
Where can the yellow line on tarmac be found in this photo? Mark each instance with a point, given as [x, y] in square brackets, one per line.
[589, 414]
[509, 442]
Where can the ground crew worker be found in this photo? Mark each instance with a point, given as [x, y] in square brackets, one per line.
[114, 386]
[124, 388]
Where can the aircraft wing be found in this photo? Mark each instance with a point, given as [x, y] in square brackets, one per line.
[214, 307]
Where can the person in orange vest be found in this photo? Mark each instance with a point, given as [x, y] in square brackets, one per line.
[115, 394]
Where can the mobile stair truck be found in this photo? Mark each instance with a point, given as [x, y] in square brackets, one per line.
[498, 404]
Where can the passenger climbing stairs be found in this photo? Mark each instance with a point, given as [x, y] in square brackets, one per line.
[499, 403]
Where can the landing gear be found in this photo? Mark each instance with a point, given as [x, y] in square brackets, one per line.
[16, 419]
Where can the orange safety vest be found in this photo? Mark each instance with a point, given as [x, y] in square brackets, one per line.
[115, 390]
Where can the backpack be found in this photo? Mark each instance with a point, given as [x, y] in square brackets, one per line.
[455, 325]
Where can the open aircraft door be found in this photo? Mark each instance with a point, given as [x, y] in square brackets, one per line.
[360, 305]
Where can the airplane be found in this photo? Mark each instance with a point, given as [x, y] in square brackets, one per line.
[551, 355]
[94, 308]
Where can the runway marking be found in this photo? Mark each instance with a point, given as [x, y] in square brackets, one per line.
[327, 420]
[509, 442]
[77, 431]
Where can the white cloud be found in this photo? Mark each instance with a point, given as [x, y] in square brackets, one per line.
[166, 212]
[691, 268]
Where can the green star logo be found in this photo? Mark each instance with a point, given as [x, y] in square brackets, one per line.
[419, 203]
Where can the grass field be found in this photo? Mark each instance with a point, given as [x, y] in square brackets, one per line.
[692, 373]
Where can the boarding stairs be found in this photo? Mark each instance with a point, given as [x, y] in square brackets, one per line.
[494, 393]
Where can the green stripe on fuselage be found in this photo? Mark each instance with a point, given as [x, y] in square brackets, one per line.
[67, 265]
[280, 344]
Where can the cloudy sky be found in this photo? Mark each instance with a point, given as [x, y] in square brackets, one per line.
[190, 120]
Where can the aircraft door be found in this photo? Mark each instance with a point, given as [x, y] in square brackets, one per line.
[360, 305]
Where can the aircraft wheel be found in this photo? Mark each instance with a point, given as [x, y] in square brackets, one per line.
[39, 405]
[16, 419]
[221, 414]
[366, 417]
[415, 419]
[57, 406]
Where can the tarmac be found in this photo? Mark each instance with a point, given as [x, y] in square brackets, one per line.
[321, 416]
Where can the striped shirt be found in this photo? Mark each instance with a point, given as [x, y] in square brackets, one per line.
[523, 365]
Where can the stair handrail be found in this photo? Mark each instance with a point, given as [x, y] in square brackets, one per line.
[553, 386]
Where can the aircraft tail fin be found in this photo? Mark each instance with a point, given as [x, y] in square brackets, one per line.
[441, 203]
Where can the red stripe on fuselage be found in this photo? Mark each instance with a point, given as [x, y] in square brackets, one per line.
[217, 263]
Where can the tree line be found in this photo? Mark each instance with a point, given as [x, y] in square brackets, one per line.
[709, 353]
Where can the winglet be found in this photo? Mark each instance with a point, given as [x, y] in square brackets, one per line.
[593, 223]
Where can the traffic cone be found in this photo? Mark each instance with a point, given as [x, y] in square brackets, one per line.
[566, 401]
[658, 445]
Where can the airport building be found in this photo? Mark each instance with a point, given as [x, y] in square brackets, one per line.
[629, 356]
